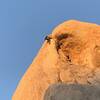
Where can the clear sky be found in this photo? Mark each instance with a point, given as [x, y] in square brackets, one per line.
[23, 25]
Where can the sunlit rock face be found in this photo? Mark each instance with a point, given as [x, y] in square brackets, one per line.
[62, 91]
[70, 54]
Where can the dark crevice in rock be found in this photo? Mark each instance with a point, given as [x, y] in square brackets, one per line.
[63, 36]
[60, 39]
[63, 45]
[59, 79]
[68, 58]
[88, 82]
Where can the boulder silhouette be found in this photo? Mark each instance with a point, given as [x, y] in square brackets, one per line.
[70, 54]
[72, 92]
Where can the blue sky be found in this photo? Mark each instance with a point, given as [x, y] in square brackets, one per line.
[23, 26]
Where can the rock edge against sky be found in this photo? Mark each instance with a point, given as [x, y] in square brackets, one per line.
[70, 54]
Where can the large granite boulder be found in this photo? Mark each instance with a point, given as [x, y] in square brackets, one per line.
[71, 54]
[72, 92]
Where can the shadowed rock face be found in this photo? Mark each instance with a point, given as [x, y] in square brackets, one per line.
[71, 54]
[72, 92]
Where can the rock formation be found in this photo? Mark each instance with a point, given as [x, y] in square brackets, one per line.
[62, 91]
[71, 55]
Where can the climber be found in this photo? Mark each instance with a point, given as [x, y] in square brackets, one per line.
[48, 38]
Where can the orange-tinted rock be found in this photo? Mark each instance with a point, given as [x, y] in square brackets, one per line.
[71, 55]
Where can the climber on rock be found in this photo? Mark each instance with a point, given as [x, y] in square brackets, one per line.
[48, 38]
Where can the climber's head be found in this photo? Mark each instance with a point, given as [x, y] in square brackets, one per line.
[48, 39]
